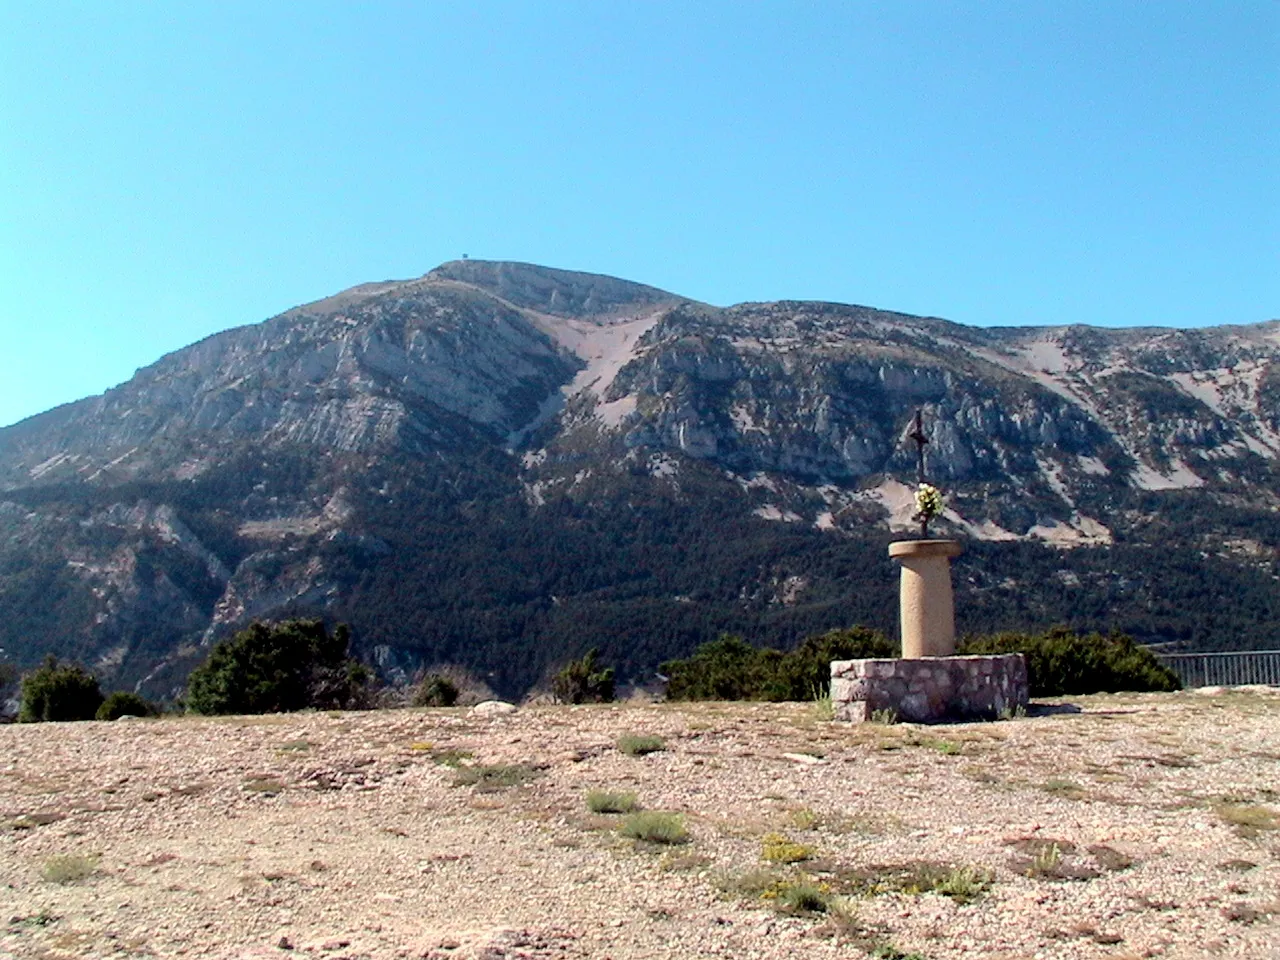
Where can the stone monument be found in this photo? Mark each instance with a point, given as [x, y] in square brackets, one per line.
[929, 683]
[927, 615]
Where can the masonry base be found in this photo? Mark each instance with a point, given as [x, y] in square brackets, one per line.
[929, 689]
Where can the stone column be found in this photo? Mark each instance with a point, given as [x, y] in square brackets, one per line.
[928, 610]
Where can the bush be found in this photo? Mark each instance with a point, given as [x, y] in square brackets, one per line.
[638, 744]
[59, 692]
[777, 848]
[732, 669]
[122, 703]
[609, 801]
[580, 682]
[655, 827]
[494, 777]
[435, 691]
[724, 669]
[805, 672]
[277, 669]
[1061, 662]
[69, 868]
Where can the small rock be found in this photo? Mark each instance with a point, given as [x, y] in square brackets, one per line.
[284, 943]
[494, 708]
[802, 758]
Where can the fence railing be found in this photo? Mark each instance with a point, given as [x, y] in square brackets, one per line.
[1224, 669]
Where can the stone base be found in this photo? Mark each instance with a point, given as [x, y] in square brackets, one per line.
[931, 689]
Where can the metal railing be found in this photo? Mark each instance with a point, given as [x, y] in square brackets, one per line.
[1224, 669]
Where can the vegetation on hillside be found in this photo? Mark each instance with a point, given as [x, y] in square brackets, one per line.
[454, 565]
[732, 669]
[1061, 662]
[279, 668]
[59, 691]
[583, 681]
[125, 703]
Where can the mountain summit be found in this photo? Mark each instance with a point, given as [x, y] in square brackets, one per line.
[500, 464]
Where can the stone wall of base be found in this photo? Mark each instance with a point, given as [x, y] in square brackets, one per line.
[930, 689]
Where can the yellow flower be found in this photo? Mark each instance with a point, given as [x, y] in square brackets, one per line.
[928, 501]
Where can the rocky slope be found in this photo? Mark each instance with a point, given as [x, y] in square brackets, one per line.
[497, 464]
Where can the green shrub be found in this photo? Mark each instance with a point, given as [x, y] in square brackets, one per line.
[654, 826]
[805, 672]
[122, 703]
[802, 897]
[608, 801]
[494, 777]
[69, 868]
[435, 691]
[638, 744]
[279, 668]
[579, 681]
[1061, 662]
[724, 669]
[777, 848]
[732, 669]
[59, 692]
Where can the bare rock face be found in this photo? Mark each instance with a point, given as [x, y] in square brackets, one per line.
[498, 464]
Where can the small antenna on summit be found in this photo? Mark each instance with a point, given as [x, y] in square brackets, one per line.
[464, 256]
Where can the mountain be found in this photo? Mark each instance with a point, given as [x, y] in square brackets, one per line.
[500, 465]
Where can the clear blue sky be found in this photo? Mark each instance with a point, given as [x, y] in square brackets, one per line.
[168, 170]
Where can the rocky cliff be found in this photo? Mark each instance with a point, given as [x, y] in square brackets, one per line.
[499, 464]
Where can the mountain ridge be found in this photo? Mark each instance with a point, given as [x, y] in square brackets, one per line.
[498, 464]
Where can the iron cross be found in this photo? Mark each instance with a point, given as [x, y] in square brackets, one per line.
[917, 434]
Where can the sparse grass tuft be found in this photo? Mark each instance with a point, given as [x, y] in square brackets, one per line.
[495, 777]
[637, 744]
[1067, 789]
[266, 785]
[805, 819]
[1050, 859]
[886, 717]
[751, 884]
[802, 897]
[1045, 861]
[776, 848]
[961, 884]
[946, 747]
[42, 919]
[69, 868]
[823, 709]
[655, 826]
[1248, 818]
[681, 862]
[1013, 713]
[450, 758]
[608, 801]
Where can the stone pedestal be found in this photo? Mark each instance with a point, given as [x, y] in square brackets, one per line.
[928, 611]
[929, 690]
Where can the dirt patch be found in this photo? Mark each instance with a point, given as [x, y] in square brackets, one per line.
[436, 833]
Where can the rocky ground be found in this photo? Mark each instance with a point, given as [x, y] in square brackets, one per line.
[1113, 826]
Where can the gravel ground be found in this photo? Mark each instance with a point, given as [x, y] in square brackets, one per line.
[1110, 826]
